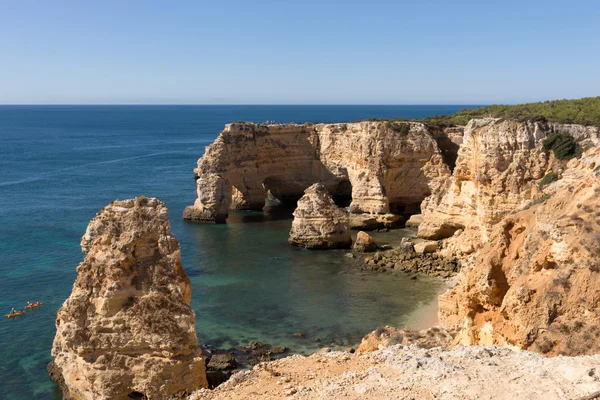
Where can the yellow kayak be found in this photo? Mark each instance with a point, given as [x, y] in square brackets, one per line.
[14, 314]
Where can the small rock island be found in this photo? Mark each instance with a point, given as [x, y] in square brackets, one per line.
[127, 329]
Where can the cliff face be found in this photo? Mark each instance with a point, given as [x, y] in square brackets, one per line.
[380, 168]
[535, 284]
[497, 171]
[127, 328]
[319, 223]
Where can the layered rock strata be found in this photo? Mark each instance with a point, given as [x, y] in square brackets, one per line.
[497, 171]
[536, 283]
[127, 329]
[319, 223]
[380, 169]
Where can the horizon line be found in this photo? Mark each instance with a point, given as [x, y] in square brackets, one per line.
[250, 104]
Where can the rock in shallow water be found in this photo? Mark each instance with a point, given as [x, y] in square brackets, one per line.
[127, 329]
[220, 362]
[319, 223]
[364, 243]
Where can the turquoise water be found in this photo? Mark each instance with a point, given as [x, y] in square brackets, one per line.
[60, 164]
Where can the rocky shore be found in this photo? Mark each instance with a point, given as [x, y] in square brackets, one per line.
[408, 261]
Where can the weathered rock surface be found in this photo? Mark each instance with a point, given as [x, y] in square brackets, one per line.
[220, 362]
[536, 283]
[497, 171]
[409, 372]
[380, 168]
[364, 243]
[387, 336]
[319, 223]
[408, 261]
[127, 328]
[426, 247]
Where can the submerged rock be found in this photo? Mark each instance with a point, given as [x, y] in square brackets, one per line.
[319, 223]
[364, 243]
[127, 329]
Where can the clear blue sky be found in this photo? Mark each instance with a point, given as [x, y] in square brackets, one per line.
[298, 52]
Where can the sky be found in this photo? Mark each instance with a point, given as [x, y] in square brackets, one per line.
[298, 52]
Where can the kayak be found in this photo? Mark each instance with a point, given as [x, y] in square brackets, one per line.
[30, 306]
[14, 314]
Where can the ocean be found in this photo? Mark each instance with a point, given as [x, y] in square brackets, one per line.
[59, 165]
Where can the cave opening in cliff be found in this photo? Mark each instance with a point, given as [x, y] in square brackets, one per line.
[405, 209]
[136, 395]
[343, 194]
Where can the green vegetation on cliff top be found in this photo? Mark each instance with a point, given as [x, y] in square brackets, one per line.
[584, 111]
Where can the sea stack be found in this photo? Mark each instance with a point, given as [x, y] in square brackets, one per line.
[319, 223]
[127, 329]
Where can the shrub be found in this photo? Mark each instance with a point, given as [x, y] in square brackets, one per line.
[562, 145]
[402, 129]
[141, 201]
[548, 179]
[585, 111]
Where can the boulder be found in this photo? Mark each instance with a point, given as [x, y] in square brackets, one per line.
[407, 245]
[426, 246]
[127, 329]
[319, 223]
[364, 243]
[220, 362]
[414, 221]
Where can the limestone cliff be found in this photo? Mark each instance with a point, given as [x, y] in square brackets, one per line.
[127, 330]
[319, 223]
[535, 284]
[497, 171]
[377, 168]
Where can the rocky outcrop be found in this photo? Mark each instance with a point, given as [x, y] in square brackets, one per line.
[408, 261]
[364, 243]
[319, 223]
[536, 283]
[497, 171]
[127, 329]
[409, 372]
[388, 336]
[379, 169]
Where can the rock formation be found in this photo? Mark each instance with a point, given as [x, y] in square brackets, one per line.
[536, 283]
[379, 169]
[364, 243]
[408, 372]
[386, 336]
[497, 171]
[127, 330]
[319, 223]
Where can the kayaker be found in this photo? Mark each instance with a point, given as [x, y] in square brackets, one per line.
[13, 311]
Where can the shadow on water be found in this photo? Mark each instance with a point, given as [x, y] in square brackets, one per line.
[271, 213]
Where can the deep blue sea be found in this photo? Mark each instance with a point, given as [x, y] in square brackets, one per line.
[60, 164]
